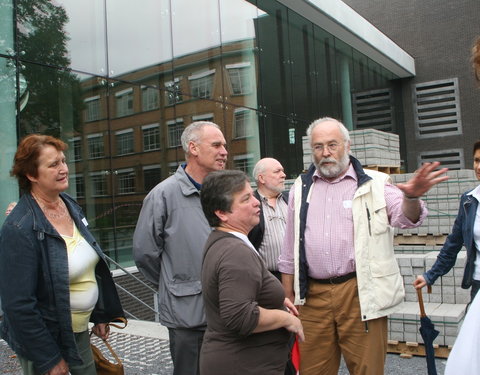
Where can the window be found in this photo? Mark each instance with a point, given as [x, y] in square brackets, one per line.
[99, 184]
[243, 123]
[92, 108]
[124, 101]
[75, 149]
[151, 176]
[373, 109]
[126, 181]
[437, 108]
[77, 183]
[173, 92]
[175, 129]
[201, 84]
[95, 146]
[451, 158]
[203, 117]
[244, 163]
[150, 98]
[239, 75]
[151, 137]
[124, 140]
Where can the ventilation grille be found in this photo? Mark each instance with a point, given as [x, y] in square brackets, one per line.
[373, 109]
[437, 108]
[452, 158]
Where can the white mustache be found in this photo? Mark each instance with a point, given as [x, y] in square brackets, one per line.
[328, 160]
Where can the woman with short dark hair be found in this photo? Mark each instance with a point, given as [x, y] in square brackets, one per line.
[248, 323]
[53, 275]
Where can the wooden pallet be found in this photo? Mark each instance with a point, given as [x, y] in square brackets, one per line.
[420, 239]
[409, 349]
[384, 168]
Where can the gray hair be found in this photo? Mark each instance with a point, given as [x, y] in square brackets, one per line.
[341, 127]
[259, 168]
[192, 133]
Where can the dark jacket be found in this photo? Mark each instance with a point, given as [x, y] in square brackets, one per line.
[461, 234]
[34, 286]
[256, 234]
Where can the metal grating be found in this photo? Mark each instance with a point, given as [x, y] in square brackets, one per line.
[437, 108]
[373, 109]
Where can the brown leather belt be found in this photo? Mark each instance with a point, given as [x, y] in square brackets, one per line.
[335, 280]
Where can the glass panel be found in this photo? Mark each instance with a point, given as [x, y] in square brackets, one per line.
[197, 54]
[139, 154]
[274, 59]
[63, 34]
[6, 27]
[282, 140]
[8, 140]
[142, 33]
[328, 89]
[237, 22]
[241, 133]
[302, 52]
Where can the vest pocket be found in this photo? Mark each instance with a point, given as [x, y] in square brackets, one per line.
[387, 283]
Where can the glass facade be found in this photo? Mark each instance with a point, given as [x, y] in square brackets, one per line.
[121, 92]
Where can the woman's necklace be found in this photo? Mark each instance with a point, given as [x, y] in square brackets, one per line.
[57, 212]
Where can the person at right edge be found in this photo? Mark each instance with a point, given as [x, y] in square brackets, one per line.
[466, 228]
[338, 261]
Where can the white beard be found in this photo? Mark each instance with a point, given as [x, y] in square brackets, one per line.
[334, 170]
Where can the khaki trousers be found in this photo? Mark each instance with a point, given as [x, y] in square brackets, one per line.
[332, 324]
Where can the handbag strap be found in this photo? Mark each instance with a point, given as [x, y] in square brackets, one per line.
[112, 352]
[122, 320]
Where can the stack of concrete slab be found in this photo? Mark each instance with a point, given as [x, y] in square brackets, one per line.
[370, 146]
[447, 318]
[447, 289]
[442, 201]
[374, 147]
[445, 306]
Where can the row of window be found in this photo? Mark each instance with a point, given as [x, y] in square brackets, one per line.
[127, 180]
[200, 86]
[244, 123]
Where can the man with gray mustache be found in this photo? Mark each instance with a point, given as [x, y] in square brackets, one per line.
[338, 261]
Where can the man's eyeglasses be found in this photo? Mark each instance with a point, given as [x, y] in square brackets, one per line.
[330, 147]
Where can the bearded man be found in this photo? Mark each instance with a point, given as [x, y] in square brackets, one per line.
[338, 261]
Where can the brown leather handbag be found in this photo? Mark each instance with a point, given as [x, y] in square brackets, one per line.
[102, 364]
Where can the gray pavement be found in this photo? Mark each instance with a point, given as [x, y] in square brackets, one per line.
[143, 347]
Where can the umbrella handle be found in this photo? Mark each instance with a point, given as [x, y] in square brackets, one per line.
[420, 302]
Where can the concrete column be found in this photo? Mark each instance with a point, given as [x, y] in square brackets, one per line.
[346, 94]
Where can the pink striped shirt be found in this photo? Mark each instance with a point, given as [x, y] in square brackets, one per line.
[329, 245]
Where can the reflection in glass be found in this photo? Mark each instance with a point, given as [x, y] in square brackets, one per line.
[140, 33]
[258, 70]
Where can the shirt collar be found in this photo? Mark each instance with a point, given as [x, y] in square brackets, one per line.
[475, 193]
[350, 174]
[263, 198]
[195, 183]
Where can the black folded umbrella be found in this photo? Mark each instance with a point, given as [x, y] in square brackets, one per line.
[429, 333]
